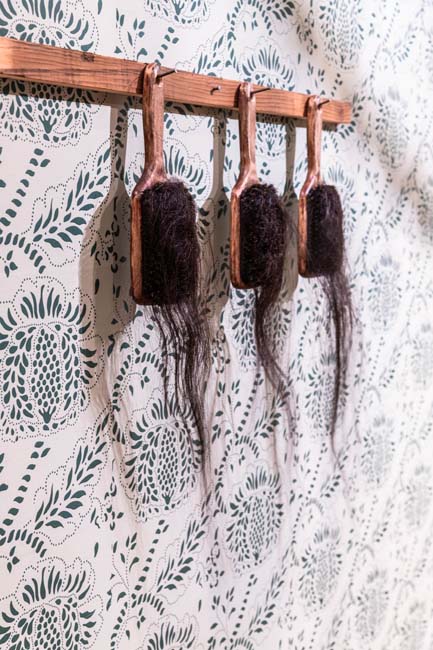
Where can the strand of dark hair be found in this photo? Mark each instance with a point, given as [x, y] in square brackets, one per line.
[339, 307]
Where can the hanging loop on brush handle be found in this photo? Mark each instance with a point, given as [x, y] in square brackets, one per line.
[261, 90]
[153, 121]
[166, 74]
[314, 136]
[247, 133]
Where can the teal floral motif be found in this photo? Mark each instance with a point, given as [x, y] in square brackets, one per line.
[171, 633]
[422, 356]
[162, 458]
[39, 112]
[385, 292]
[52, 115]
[266, 66]
[11, 242]
[130, 37]
[240, 624]
[53, 607]
[343, 32]
[242, 322]
[58, 508]
[248, 19]
[61, 505]
[378, 451]
[144, 599]
[336, 175]
[319, 393]
[255, 16]
[321, 565]
[191, 168]
[65, 24]
[273, 136]
[419, 492]
[59, 217]
[424, 203]
[183, 12]
[242, 317]
[49, 358]
[210, 57]
[219, 351]
[214, 570]
[14, 505]
[372, 603]
[254, 518]
[305, 31]
[392, 130]
[411, 632]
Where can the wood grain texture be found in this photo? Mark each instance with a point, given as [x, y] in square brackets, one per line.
[314, 139]
[153, 172]
[76, 69]
[247, 177]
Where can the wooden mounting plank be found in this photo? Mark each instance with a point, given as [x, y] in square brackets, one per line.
[74, 68]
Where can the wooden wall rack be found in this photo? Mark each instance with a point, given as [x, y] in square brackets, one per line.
[76, 69]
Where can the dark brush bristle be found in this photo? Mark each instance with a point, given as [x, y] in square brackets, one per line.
[169, 241]
[325, 257]
[263, 241]
[324, 230]
[171, 261]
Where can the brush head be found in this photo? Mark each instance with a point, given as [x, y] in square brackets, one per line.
[170, 250]
[262, 236]
[325, 242]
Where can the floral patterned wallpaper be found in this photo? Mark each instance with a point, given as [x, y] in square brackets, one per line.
[111, 536]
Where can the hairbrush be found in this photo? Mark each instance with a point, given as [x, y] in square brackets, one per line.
[320, 240]
[258, 232]
[321, 246]
[165, 255]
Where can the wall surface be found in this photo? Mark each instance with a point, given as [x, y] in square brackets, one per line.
[110, 537]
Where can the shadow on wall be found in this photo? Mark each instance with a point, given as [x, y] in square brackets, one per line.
[104, 261]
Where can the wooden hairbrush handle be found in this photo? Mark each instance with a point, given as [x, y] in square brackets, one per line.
[314, 136]
[314, 142]
[247, 136]
[153, 126]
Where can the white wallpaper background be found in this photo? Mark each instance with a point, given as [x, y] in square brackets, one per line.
[110, 537]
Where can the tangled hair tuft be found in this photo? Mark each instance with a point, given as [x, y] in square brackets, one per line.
[263, 236]
[325, 258]
[170, 268]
